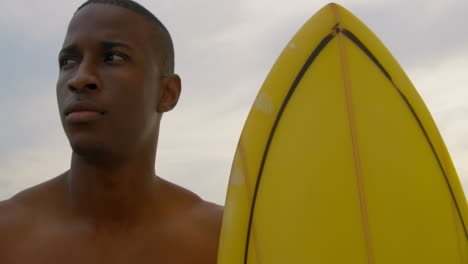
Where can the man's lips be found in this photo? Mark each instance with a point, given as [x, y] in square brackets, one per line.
[82, 116]
[82, 112]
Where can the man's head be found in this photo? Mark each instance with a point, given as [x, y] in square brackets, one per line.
[116, 78]
[161, 35]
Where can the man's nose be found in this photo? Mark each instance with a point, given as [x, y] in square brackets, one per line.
[85, 78]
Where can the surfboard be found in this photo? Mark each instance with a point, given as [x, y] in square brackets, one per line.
[340, 161]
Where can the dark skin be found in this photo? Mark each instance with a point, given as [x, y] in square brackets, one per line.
[110, 207]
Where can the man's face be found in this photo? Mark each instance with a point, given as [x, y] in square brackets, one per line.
[109, 82]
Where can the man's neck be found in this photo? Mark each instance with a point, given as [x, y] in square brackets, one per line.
[117, 193]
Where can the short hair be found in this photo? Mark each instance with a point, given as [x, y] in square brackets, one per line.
[167, 52]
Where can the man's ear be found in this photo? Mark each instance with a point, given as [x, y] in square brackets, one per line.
[170, 92]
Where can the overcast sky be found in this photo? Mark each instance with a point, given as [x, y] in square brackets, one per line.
[224, 50]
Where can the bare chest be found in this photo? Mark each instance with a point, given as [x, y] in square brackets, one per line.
[55, 246]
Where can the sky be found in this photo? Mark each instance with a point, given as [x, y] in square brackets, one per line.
[224, 50]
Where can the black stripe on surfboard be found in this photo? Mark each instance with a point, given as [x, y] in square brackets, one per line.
[293, 87]
[371, 56]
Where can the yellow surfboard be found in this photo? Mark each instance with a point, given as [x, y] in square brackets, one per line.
[340, 161]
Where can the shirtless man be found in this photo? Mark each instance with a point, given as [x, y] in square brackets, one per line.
[116, 80]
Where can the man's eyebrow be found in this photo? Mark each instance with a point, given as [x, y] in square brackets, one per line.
[103, 44]
[68, 49]
[112, 44]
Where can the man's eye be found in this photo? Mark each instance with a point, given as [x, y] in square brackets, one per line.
[66, 61]
[112, 57]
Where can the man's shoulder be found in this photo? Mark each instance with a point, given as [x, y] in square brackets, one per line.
[10, 212]
[199, 218]
[208, 215]
[15, 221]
[195, 224]
[16, 208]
[196, 209]
[22, 208]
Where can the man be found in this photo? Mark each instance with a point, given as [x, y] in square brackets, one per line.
[115, 81]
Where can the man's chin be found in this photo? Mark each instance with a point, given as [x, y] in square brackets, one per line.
[89, 149]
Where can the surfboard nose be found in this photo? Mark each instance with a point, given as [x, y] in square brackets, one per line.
[340, 161]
